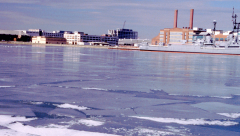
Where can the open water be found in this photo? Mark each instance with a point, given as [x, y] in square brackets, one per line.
[46, 90]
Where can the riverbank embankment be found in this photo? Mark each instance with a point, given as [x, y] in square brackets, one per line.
[69, 45]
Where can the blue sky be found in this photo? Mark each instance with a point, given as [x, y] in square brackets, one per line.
[95, 17]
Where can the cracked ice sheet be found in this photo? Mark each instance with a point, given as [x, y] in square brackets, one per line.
[217, 107]
[66, 112]
[118, 101]
[16, 111]
[116, 112]
[16, 128]
[71, 106]
[87, 122]
[223, 109]
[87, 98]
[189, 121]
[176, 111]
[144, 132]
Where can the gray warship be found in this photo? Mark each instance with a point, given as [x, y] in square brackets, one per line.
[206, 45]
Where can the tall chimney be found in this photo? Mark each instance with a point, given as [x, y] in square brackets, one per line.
[191, 19]
[175, 19]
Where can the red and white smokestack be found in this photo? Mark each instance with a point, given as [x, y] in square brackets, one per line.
[191, 18]
[175, 19]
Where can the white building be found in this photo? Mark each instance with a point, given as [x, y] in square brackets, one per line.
[83, 39]
[73, 38]
[48, 40]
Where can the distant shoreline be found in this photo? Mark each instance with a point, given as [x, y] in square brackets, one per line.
[64, 45]
[69, 45]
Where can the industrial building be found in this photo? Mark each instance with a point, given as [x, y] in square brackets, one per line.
[124, 33]
[175, 34]
[188, 34]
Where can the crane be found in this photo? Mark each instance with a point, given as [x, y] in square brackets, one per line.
[124, 24]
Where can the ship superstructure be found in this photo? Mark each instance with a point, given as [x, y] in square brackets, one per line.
[205, 45]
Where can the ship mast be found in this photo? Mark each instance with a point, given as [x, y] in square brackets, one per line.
[235, 24]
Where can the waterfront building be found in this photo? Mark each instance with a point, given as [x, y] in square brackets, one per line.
[83, 39]
[124, 33]
[34, 32]
[40, 32]
[14, 35]
[48, 40]
[175, 35]
[131, 42]
[72, 38]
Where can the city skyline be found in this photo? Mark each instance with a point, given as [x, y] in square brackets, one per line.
[97, 17]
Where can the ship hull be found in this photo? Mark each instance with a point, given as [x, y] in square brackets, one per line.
[192, 49]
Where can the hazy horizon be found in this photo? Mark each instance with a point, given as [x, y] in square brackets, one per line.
[97, 17]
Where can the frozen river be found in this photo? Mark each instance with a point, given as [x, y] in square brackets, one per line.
[46, 90]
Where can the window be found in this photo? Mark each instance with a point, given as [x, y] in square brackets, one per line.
[173, 40]
[225, 39]
[175, 36]
[216, 39]
[221, 39]
[175, 33]
[195, 37]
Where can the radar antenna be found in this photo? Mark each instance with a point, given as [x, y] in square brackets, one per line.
[235, 24]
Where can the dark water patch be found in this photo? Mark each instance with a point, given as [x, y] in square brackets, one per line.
[174, 103]
[234, 128]
[59, 82]
[212, 131]
[45, 115]
[233, 82]
[81, 112]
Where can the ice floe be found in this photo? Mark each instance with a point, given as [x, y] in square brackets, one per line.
[6, 86]
[89, 88]
[222, 97]
[86, 122]
[70, 106]
[37, 103]
[231, 115]
[14, 127]
[146, 132]
[7, 119]
[189, 121]
[200, 96]
[90, 122]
